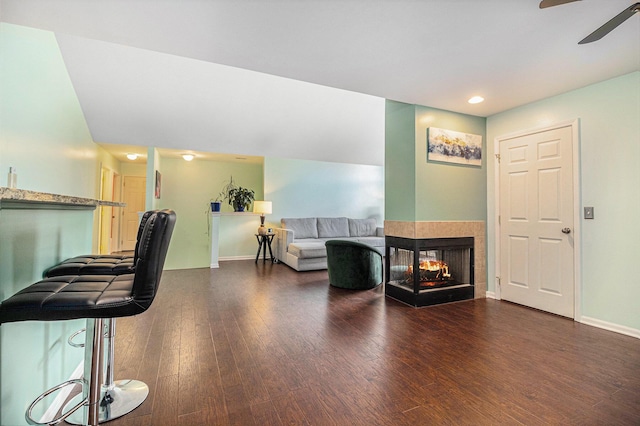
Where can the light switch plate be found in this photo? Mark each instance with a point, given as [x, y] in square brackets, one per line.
[588, 212]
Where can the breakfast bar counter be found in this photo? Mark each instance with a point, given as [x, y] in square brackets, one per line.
[11, 198]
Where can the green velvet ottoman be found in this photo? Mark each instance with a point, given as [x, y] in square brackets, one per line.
[353, 265]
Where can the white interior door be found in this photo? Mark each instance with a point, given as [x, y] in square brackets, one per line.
[537, 220]
[133, 194]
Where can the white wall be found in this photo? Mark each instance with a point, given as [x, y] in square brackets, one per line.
[609, 114]
[300, 188]
[136, 96]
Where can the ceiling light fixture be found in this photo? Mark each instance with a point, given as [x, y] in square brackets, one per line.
[187, 157]
[132, 156]
[476, 100]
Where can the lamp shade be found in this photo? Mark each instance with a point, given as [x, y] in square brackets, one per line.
[262, 207]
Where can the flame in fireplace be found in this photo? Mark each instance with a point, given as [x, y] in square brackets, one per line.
[431, 265]
[434, 265]
[437, 269]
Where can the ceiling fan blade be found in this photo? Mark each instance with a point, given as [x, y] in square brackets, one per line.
[550, 3]
[611, 24]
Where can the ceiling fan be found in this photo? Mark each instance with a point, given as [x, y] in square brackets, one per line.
[607, 27]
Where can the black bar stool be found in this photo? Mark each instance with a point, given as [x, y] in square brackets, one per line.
[100, 264]
[95, 298]
[120, 397]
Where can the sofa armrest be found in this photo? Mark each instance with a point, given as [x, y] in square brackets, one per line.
[283, 238]
[380, 231]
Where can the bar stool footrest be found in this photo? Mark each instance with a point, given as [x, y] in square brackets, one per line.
[72, 408]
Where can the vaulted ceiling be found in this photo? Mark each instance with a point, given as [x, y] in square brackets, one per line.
[436, 53]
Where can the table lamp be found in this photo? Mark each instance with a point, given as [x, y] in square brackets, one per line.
[262, 207]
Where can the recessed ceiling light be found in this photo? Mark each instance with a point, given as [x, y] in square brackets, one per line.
[476, 100]
[132, 156]
[187, 157]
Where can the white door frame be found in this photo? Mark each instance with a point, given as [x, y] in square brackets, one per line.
[115, 221]
[577, 230]
[106, 193]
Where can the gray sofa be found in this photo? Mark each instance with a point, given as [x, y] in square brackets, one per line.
[299, 242]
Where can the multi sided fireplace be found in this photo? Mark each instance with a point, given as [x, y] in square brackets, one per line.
[428, 271]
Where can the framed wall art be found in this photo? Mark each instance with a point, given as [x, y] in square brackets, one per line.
[158, 184]
[449, 146]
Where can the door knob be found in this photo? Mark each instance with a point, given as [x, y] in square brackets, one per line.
[566, 230]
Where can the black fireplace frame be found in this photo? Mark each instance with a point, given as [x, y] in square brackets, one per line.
[436, 296]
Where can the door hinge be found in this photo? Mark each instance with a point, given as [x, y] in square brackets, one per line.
[498, 279]
[498, 157]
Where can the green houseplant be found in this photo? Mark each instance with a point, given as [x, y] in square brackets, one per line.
[240, 198]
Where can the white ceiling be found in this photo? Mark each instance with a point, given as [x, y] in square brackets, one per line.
[436, 53]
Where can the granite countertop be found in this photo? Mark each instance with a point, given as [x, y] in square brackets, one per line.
[25, 199]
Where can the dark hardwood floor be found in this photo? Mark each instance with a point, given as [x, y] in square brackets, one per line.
[262, 344]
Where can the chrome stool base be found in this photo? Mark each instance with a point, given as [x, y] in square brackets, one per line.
[117, 398]
[86, 402]
[120, 399]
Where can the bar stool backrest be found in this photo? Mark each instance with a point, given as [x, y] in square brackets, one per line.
[143, 221]
[98, 296]
[152, 251]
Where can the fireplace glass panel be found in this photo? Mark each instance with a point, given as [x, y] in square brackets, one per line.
[429, 271]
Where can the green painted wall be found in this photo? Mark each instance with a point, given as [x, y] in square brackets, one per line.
[421, 190]
[447, 191]
[188, 188]
[35, 356]
[400, 161]
[609, 116]
[43, 134]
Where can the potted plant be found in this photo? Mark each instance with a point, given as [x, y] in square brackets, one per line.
[223, 195]
[240, 198]
[215, 205]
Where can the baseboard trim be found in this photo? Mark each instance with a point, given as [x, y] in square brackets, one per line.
[594, 322]
[226, 258]
[617, 328]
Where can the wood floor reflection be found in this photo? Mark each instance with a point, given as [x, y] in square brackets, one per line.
[262, 344]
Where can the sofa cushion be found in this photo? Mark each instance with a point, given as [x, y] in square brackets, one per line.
[331, 227]
[362, 227]
[307, 250]
[302, 227]
[371, 241]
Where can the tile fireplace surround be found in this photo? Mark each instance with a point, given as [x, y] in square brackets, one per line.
[453, 229]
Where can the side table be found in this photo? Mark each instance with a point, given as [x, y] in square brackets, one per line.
[264, 241]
